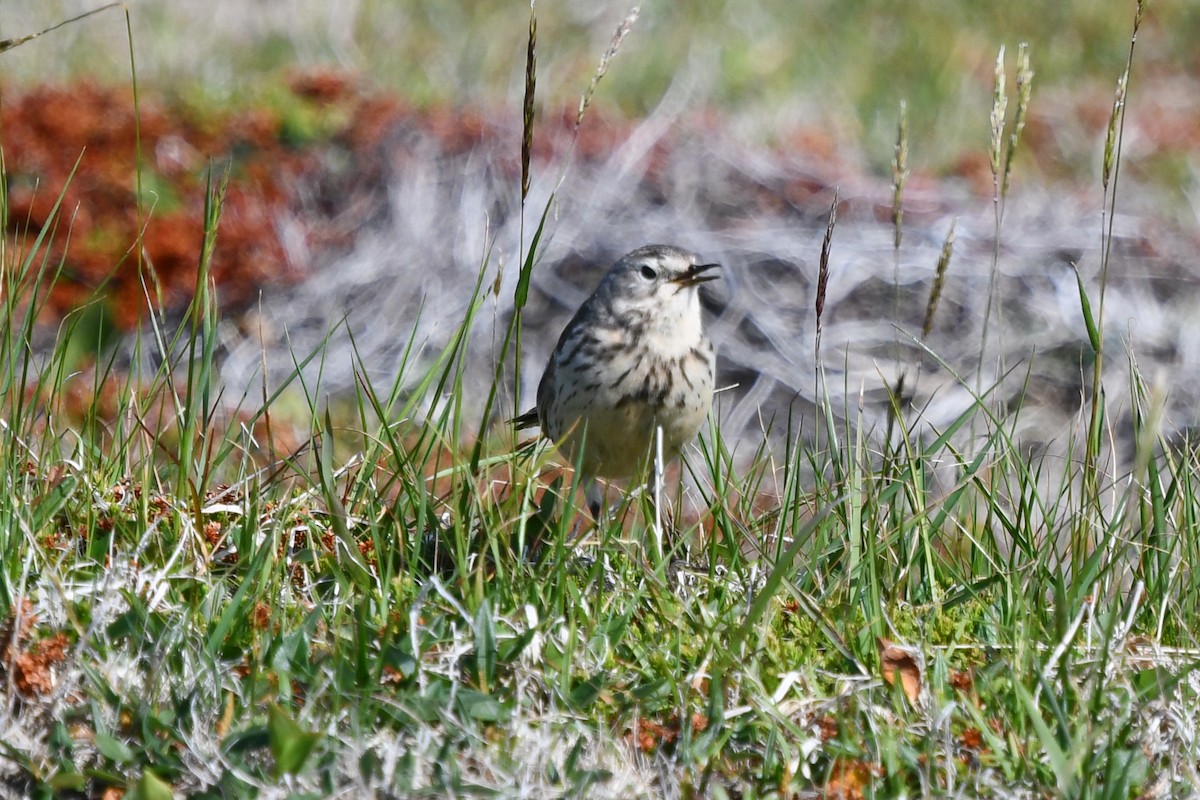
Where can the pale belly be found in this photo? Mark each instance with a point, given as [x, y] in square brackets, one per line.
[616, 420]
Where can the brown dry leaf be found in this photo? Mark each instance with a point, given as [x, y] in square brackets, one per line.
[212, 532]
[827, 725]
[649, 735]
[226, 720]
[260, 618]
[55, 476]
[17, 628]
[896, 659]
[971, 739]
[848, 779]
[962, 680]
[28, 667]
[33, 670]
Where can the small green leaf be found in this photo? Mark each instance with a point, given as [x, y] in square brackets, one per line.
[290, 744]
[511, 649]
[348, 553]
[113, 749]
[1059, 761]
[1155, 682]
[61, 743]
[1085, 306]
[615, 629]
[482, 707]
[653, 689]
[68, 782]
[53, 501]
[485, 646]
[1124, 771]
[370, 766]
[584, 693]
[151, 787]
[245, 742]
[521, 294]
[572, 759]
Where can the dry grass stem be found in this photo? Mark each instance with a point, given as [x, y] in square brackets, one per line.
[528, 105]
[614, 45]
[997, 117]
[899, 178]
[1024, 91]
[823, 269]
[939, 281]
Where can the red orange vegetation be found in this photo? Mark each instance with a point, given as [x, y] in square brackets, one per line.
[650, 735]
[28, 666]
[82, 144]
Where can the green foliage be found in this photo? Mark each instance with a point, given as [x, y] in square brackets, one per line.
[290, 744]
[367, 613]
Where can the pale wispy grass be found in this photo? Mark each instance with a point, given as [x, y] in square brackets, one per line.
[396, 604]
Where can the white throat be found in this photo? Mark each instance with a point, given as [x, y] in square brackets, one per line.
[677, 327]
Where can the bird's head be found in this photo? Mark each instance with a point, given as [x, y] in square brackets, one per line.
[659, 277]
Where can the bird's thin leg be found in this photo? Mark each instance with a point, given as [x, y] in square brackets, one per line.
[594, 495]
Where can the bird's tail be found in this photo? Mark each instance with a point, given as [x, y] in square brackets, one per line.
[527, 420]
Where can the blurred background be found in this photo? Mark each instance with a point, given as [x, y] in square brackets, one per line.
[764, 66]
[374, 149]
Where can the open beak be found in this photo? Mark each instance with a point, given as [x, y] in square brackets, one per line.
[695, 275]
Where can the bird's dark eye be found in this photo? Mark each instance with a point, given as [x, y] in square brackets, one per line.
[648, 272]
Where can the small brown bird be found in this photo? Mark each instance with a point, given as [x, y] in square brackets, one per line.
[633, 358]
